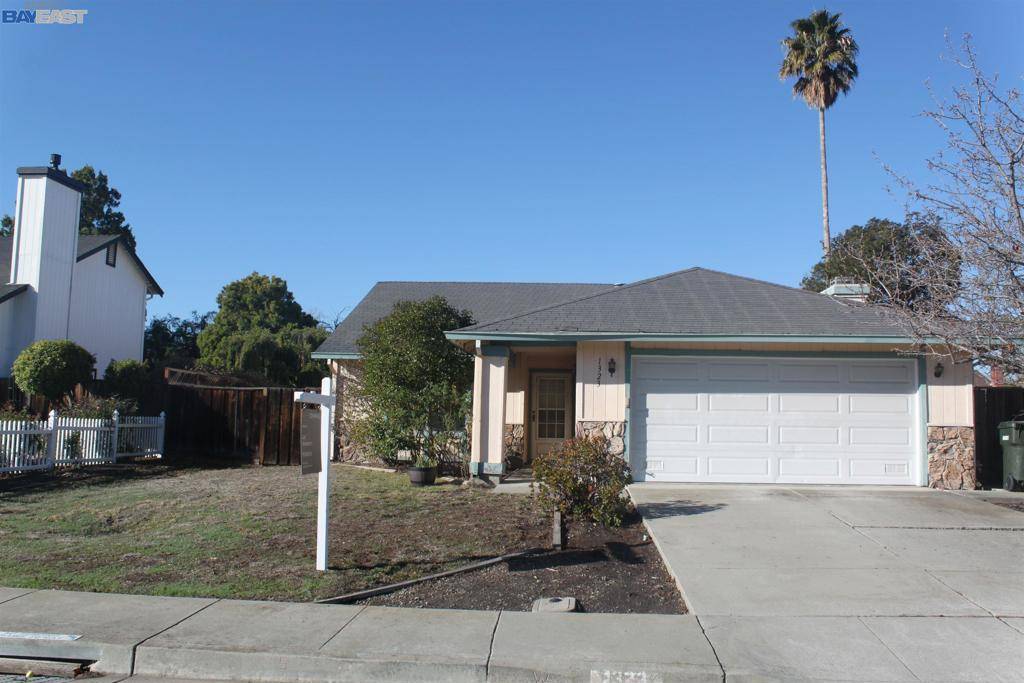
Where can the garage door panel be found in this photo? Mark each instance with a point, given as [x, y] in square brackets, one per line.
[809, 467]
[805, 435]
[737, 434]
[670, 434]
[880, 373]
[787, 420]
[735, 466]
[809, 403]
[880, 404]
[880, 436]
[665, 371]
[739, 371]
[740, 402]
[805, 372]
[664, 401]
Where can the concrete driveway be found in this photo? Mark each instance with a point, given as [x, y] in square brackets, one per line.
[850, 583]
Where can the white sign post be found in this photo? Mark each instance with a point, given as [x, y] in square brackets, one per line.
[325, 399]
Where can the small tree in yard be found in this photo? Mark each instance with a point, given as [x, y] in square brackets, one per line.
[52, 367]
[975, 195]
[126, 379]
[414, 383]
[582, 478]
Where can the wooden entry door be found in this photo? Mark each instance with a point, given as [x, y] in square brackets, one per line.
[551, 411]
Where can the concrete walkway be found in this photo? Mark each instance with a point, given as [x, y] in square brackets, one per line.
[199, 639]
[852, 583]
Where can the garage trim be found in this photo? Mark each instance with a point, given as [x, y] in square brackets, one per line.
[920, 365]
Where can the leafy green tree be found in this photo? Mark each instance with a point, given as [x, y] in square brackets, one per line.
[858, 252]
[126, 379]
[99, 215]
[52, 368]
[414, 382]
[260, 328]
[6, 226]
[821, 54]
[173, 341]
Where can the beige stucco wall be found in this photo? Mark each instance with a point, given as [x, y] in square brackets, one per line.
[600, 396]
[526, 359]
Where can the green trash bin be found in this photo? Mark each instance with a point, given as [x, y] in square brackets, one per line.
[1011, 438]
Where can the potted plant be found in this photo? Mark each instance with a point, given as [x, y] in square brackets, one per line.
[423, 471]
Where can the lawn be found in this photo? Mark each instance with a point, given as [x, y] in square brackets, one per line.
[244, 532]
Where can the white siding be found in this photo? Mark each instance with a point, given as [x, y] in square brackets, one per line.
[8, 351]
[43, 257]
[108, 308]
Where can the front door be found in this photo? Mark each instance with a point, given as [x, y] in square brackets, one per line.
[550, 411]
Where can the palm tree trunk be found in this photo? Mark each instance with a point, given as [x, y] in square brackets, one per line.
[827, 237]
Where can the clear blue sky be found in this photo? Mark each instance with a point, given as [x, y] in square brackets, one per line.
[337, 144]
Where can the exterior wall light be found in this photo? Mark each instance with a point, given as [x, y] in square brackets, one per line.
[611, 367]
[939, 369]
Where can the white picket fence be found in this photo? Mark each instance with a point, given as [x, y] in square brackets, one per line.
[60, 441]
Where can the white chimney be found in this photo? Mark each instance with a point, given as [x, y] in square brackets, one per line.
[846, 289]
[44, 251]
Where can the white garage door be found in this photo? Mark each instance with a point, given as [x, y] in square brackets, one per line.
[789, 420]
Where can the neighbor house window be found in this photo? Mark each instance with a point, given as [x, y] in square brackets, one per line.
[112, 254]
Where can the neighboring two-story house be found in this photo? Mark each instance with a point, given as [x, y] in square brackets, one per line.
[91, 289]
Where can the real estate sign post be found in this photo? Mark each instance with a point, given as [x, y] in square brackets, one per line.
[325, 399]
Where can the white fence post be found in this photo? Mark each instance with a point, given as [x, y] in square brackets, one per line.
[51, 441]
[160, 432]
[113, 446]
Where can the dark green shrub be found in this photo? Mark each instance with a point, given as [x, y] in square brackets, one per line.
[582, 478]
[126, 379]
[52, 368]
[413, 392]
[98, 406]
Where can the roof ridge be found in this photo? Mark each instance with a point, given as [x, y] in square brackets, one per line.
[613, 288]
[488, 282]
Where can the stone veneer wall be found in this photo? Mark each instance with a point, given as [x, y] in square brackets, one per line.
[350, 373]
[611, 430]
[515, 447]
[951, 458]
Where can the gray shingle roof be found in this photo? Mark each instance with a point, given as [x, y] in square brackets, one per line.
[87, 245]
[699, 302]
[486, 300]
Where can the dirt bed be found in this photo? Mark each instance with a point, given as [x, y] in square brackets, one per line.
[606, 570]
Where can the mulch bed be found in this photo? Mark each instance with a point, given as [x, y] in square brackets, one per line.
[606, 570]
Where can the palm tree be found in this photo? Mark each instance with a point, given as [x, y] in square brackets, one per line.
[821, 55]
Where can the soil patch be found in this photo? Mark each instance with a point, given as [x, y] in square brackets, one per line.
[606, 570]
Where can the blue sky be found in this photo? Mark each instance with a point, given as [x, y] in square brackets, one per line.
[342, 143]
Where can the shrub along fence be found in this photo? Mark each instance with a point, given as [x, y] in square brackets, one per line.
[993, 405]
[61, 441]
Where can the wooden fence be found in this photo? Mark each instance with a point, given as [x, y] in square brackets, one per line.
[993, 405]
[260, 424]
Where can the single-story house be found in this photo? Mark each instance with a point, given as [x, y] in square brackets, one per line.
[699, 376]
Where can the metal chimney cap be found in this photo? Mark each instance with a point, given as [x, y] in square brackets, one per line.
[55, 162]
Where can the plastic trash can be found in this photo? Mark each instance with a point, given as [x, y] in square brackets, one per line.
[1011, 438]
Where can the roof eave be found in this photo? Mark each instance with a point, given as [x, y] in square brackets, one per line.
[335, 355]
[457, 335]
[152, 287]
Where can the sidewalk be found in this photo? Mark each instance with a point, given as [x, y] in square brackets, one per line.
[200, 639]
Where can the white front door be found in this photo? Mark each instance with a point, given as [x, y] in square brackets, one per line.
[789, 420]
[551, 416]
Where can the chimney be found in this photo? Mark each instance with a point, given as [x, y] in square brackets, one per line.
[44, 251]
[848, 289]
